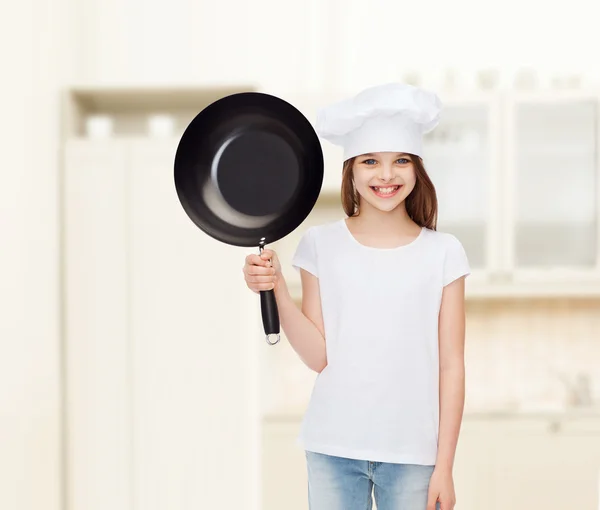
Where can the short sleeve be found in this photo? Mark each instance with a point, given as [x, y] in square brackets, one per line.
[456, 263]
[305, 256]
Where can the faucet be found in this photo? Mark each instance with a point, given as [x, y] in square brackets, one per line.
[579, 390]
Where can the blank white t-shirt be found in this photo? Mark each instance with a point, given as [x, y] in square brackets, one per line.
[378, 397]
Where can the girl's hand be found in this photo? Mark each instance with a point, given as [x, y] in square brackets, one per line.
[262, 272]
[441, 488]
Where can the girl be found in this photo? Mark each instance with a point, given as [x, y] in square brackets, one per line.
[382, 319]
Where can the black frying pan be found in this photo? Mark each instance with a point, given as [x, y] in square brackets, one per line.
[248, 171]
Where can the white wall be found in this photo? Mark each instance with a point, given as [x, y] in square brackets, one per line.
[32, 50]
[320, 45]
[282, 44]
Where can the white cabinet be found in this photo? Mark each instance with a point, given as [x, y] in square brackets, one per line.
[518, 182]
[546, 463]
[553, 180]
[96, 326]
[516, 462]
[460, 156]
[161, 341]
[284, 479]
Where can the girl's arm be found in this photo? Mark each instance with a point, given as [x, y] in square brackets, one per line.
[452, 371]
[304, 328]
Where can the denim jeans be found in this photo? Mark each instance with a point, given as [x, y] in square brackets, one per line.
[337, 483]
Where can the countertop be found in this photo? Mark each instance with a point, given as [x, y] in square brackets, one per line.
[483, 414]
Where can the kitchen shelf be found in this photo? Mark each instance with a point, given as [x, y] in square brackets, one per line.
[130, 106]
[295, 417]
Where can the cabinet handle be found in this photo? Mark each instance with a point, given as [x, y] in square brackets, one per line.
[554, 426]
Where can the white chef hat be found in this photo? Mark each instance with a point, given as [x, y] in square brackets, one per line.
[385, 118]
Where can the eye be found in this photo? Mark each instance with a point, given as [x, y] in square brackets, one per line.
[370, 159]
[403, 161]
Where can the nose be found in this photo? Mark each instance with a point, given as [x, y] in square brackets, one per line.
[386, 172]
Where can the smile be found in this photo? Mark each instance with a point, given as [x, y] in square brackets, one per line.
[385, 192]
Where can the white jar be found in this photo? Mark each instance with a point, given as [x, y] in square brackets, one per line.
[99, 126]
[160, 125]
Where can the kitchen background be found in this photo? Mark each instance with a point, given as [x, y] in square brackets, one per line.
[133, 369]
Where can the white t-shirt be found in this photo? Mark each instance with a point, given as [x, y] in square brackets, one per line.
[378, 397]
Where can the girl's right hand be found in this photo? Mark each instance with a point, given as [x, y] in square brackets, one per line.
[262, 272]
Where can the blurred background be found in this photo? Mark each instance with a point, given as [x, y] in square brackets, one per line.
[134, 374]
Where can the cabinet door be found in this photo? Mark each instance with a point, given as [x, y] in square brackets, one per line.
[284, 476]
[552, 209]
[473, 471]
[195, 342]
[96, 202]
[460, 156]
[540, 465]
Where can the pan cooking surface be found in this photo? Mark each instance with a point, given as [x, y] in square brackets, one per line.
[256, 172]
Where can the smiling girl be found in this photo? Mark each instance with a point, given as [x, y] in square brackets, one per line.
[382, 319]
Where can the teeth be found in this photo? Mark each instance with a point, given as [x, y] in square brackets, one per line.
[386, 190]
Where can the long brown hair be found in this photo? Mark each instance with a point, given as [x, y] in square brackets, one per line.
[421, 204]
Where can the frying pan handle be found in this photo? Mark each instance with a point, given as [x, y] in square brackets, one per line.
[270, 312]
[270, 315]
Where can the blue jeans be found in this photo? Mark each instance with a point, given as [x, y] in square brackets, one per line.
[337, 483]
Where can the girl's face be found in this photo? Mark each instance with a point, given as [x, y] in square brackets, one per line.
[384, 179]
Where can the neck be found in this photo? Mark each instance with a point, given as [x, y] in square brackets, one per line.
[381, 221]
